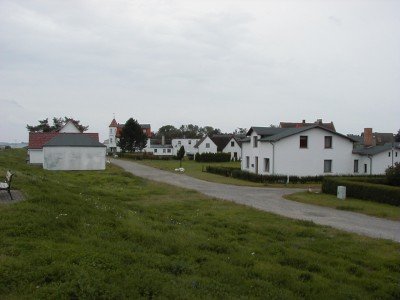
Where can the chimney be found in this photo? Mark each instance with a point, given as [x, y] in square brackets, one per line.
[319, 121]
[368, 137]
[163, 140]
[304, 121]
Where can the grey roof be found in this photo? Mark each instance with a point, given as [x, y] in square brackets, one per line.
[272, 134]
[145, 125]
[265, 131]
[160, 146]
[73, 140]
[375, 149]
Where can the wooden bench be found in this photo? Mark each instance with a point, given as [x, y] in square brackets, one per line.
[6, 185]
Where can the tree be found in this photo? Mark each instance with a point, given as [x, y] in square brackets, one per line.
[132, 137]
[209, 130]
[169, 132]
[397, 137]
[58, 123]
[180, 155]
[240, 130]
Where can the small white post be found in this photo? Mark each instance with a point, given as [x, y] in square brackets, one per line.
[341, 192]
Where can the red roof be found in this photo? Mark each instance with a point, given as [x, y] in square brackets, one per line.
[38, 139]
[113, 123]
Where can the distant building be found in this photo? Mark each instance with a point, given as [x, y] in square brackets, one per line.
[114, 134]
[66, 149]
[225, 143]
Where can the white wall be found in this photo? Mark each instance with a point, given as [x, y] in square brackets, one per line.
[35, 156]
[74, 158]
[290, 159]
[160, 151]
[188, 144]
[232, 149]
[380, 162]
[69, 128]
[203, 149]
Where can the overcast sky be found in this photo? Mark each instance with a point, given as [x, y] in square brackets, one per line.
[227, 64]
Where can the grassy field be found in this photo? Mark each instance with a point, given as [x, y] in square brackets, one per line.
[112, 235]
[350, 204]
[195, 169]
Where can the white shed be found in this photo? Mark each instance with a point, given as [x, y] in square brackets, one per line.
[74, 151]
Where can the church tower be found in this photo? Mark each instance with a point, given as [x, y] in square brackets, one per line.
[112, 137]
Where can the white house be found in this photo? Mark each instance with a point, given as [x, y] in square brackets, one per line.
[226, 143]
[74, 151]
[234, 148]
[306, 151]
[188, 144]
[206, 145]
[375, 159]
[159, 148]
[37, 141]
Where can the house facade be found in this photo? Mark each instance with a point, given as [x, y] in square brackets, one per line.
[74, 151]
[188, 144]
[304, 151]
[206, 145]
[66, 149]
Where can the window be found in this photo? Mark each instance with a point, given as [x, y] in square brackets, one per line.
[169, 150]
[110, 130]
[303, 141]
[365, 168]
[356, 166]
[266, 164]
[232, 144]
[190, 142]
[396, 153]
[327, 166]
[247, 162]
[164, 150]
[155, 150]
[255, 141]
[207, 145]
[389, 154]
[179, 143]
[111, 141]
[328, 142]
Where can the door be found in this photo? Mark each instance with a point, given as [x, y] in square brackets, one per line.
[256, 164]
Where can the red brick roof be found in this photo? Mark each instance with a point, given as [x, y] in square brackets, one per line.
[38, 139]
[113, 123]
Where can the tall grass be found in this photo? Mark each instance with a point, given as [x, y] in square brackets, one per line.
[112, 235]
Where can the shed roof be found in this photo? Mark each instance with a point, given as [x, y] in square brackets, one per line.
[361, 150]
[73, 140]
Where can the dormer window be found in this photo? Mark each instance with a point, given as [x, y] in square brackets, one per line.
[255, 141]
[232, 144]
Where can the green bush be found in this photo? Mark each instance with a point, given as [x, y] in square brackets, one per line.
[213, 157]
[362, 190]
[145, 155]
[244, 175]
[393, 175]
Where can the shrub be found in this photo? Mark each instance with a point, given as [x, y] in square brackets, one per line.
[244, 175]
[362, 190]
[145, 155]
[393, 175]
[213, 157]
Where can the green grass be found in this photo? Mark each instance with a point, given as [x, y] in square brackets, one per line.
[112, 235]
[350, 204]
[195, 169]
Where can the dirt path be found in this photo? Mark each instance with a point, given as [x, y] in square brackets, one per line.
[270, 199]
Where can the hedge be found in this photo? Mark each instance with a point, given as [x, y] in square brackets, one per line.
[212, 157]
[144, 155]
[363, 190]
[244, 175]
